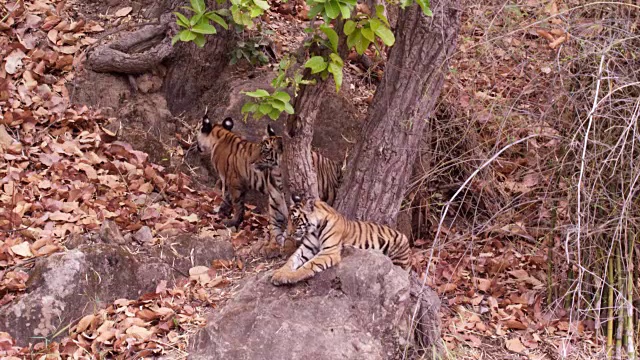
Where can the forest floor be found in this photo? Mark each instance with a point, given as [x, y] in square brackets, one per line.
[61, 175]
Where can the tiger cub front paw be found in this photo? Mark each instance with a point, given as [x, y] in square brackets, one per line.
[283, 276]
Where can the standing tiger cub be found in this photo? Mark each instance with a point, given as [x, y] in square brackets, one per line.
[324, 232]
[232, 157]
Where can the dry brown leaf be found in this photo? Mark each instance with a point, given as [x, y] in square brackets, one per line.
[545, 34]
[124, 11]
[47, 250]
[448, 287]
[14, 61]
[515, 345]
[483, 284]
[52, 35]
[515, 324]
[106, 336]
[84, 323]
[22, 249]
[519, 274]
[5, 139]
[139, 332]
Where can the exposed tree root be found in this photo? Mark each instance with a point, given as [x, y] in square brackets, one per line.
[134, 53]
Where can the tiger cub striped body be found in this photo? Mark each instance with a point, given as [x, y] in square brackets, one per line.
[324, 232]
[328, 171]
[233, 157]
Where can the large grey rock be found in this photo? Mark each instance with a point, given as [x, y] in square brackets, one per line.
[186, 251]
[63, 287]
[359, 309]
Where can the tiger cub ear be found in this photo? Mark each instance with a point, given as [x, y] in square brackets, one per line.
[207, 126]
[270, 131]
[227, 123]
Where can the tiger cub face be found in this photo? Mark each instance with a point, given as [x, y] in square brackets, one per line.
[270, 150]
[302, 218]
[210, 133]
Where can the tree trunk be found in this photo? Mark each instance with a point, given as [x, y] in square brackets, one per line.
[379, 169]
[299, 174]
[193, 70]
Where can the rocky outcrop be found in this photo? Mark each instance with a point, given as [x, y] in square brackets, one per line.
[66, 286]
[360, 309]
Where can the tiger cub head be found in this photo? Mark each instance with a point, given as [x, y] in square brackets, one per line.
[302, 217]
[270, 150]
[210, 133]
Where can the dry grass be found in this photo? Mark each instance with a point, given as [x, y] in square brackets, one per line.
[570, 190]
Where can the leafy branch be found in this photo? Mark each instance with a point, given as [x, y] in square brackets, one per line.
[199, 24]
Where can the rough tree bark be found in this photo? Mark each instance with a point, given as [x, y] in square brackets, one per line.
[192, 70]
[378, 171]
[298, 169]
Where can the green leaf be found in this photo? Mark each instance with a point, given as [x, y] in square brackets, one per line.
[354, 37]
[336, 59]
[200, 40]
[337, 74]
[288, 108]
[262, 4]
[181, 20]
[316, 64]
[195, 19]
[175, 39]
[367, 33]
[425, 6]
[349, 26]
[362, 46]
[217, 19]
[380, 15]
[331, 35]
[345, 10]
[386, 35]
[405, 3]
[277, 104]
[265, 108]
[315, 11]
[204, 28]
[249, 107]
[256, 11]
[274, 114]
[282, 96]
[187, 35]
[236, 14]
[198, 6]
[246, 20]
[259, 93]
[222, 12]
[374, 24]
[332, 9]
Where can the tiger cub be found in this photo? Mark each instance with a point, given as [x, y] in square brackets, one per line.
[329, 172]
[324, 232]
[232, 157]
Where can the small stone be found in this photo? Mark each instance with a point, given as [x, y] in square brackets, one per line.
[110, 233]
[143, 235]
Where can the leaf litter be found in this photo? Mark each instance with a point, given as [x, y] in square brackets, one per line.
[60, 176]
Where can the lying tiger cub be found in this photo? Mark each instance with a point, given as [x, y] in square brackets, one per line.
[323, 232]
